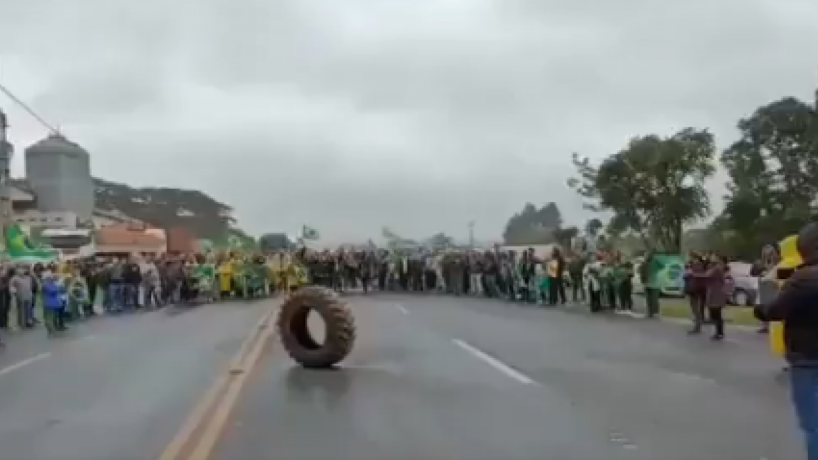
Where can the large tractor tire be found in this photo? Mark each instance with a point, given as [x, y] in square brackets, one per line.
[295, 334]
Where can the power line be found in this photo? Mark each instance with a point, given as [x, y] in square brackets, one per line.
[28, 109]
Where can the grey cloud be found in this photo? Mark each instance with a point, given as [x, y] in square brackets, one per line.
[84, 95]
[438, 113]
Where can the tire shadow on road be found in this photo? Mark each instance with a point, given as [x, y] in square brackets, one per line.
[330, 385]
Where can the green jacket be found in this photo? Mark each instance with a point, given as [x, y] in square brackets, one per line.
[652, 272]
[621, 273]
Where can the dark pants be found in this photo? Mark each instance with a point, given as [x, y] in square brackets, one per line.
[611, 295]
[416, 279]
[717, 319]
[51, 318]
[595, 300]
[382, 279]
[5, 305]
[152, 297]
[490, 285]
[92, 298]
[804, 393]
[626, 295]
[511, 288]
[560, 285]
[365, 282]
[577, 291]
[132, 291]
[696, 300]
[652, 301]
[116, 295]
[430, 280]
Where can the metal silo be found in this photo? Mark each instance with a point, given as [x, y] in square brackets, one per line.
[59, 173]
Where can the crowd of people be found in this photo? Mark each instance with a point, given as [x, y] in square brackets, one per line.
[66, 292]
[603, 283]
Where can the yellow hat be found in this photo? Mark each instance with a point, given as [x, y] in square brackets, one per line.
[790, 257]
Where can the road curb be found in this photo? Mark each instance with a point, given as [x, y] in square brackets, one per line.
[583, 309]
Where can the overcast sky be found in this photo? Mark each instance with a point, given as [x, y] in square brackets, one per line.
[420, 115]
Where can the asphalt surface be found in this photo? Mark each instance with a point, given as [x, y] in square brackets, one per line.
[472, 379]
[430, 378]
[114, 387]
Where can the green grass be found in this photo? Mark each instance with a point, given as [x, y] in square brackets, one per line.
[680, 309]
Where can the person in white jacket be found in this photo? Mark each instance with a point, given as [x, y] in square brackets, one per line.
[592, 273]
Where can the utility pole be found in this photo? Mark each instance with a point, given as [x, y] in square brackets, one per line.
[471, 234]
[6, 151]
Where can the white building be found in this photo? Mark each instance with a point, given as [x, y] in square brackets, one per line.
[25, 212]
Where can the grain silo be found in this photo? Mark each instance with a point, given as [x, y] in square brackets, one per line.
[59, 173]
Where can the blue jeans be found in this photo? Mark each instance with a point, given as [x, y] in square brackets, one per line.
[130, 292]
[127, 295]
[804, 389]
[115, 297]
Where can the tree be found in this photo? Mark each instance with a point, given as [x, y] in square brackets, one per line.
[395, 241]
[773, 169]
[564, 236]
[593, 227]
[532, 225]
[275, 242]
[440, 241]
[549, 216]
[653, 187]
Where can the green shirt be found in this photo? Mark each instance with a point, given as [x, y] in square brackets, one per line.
[621, 272]
[205, 271]
[653, 274]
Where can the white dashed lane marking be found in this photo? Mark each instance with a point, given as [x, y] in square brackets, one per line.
[21, 364]
[504, 368]
[621, 440]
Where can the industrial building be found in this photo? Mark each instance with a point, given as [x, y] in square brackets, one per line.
[58, 171]
[57, 197]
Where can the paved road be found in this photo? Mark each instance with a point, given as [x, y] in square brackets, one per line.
[431, 378]
[114, 387]
[445, 378]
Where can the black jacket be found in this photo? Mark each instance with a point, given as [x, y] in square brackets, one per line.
[132, 274]
[797, 304]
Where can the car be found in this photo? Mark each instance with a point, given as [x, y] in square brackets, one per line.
[746, 286]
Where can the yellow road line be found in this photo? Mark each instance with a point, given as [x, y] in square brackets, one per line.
[216, 423]
[197, 417]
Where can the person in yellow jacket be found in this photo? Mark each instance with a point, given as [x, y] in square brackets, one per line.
[277, 265]
[225, 273]
[292, 276]
[789, 260]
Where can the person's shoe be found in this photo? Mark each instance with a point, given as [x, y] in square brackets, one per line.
[718, 337]
[694, 331]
